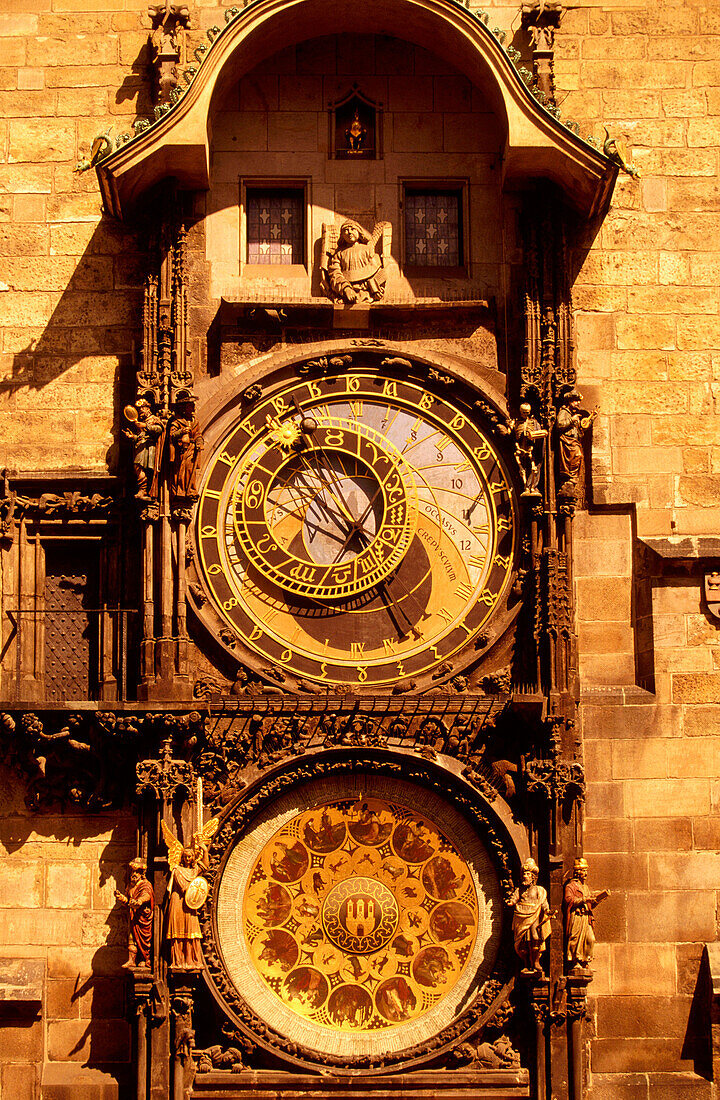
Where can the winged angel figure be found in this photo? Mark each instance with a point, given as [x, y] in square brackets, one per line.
[352, 266]
[188, 891]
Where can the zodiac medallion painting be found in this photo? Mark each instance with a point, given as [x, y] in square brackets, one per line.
[360, 915]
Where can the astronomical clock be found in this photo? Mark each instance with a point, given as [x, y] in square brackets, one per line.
[355, 553]
[357, 527]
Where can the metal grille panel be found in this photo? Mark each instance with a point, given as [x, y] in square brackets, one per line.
[432, 229]
[275, 227]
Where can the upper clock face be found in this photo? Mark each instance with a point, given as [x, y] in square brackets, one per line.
[356, 529]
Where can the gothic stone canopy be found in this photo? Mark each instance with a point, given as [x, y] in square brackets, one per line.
[536, 144]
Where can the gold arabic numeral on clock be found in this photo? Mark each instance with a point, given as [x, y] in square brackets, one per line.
[487, 597]
[227, 458]
[214, 569]
[389, 388]
[400, 669]
[426, 401]
[497, 487]
[213, 493]
[286, 655]
[362, 674]
[229, 604]
[352, 383]
[314, 390]
[458, 422]
[480, 454]
[208, 531]
[503, 562]
[503, 524]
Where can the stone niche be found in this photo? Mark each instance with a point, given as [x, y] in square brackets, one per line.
[438, 137]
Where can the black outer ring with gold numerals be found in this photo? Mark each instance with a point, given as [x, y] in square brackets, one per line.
[453, 413]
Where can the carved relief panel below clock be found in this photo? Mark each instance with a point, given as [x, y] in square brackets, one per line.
[357, 525]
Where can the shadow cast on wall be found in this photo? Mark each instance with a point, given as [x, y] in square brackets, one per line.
[92, 332]
[72, 863]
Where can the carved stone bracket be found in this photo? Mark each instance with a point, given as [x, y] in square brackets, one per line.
[165, 776]
[555, 781]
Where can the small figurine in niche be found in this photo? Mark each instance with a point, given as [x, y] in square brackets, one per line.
[187, 891]
[571, 424]
[140, 901]
[528, 448]
[186, 446]
[531, 917]
[578, 905]
[351, 263]
[147, 432]
[355, 135]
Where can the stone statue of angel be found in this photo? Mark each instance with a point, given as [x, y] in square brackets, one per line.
[188, 891]
[352, 265]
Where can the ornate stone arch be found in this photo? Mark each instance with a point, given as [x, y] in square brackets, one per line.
[536, 144]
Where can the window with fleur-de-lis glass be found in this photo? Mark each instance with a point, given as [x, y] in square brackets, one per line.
[275, 226]
[433, 228]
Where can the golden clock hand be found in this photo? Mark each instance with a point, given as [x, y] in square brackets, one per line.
[314, 527]
[345, 514]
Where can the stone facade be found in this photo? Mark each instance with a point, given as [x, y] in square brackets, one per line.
[647, 315]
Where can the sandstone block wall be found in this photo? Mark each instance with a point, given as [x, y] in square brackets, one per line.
[57, 906]
[647, 304]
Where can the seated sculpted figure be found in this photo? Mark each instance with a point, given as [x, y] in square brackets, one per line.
[352, 264]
